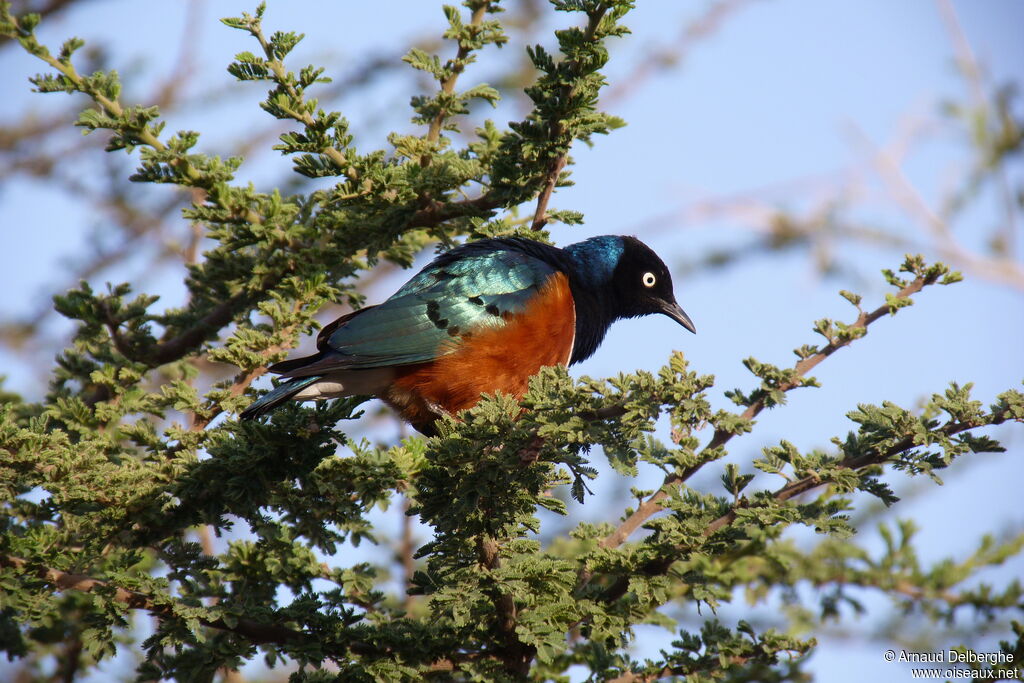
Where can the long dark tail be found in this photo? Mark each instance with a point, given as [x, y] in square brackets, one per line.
[278, 395]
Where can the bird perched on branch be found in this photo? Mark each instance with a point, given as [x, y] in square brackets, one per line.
[480, 318]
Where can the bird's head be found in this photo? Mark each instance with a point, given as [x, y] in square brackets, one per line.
[643, 284]
[632, 275]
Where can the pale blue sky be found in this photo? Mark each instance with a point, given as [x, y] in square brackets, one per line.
[770, 106]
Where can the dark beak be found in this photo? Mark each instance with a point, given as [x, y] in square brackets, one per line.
[673, 310]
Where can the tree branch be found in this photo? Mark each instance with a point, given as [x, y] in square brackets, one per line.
[254, 631]
[653, 505]
[540, 216]
[174, 348]
[558, 129]
[437, 212]
[793, 489]
[448, 84]
[674, 53]
[515, 655]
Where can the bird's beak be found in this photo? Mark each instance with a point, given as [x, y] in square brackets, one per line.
[674, 311]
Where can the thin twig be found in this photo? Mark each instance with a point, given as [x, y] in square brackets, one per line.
[302, 116]
[965, 58]
[974, 74]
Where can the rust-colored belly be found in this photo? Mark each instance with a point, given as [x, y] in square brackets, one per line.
[491, 360]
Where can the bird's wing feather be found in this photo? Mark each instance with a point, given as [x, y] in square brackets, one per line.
[328, 330]
[429, 315]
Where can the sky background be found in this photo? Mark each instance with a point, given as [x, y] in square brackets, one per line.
[784, 106]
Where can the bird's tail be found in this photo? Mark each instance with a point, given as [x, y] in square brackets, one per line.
[277, 396]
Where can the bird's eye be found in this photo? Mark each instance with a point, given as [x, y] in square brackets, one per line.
[648, 279]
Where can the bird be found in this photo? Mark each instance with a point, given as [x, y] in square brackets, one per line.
[480, 318]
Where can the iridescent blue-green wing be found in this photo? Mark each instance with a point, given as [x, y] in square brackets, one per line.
[455, 295]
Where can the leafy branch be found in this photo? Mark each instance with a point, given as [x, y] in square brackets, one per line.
[777, 382]
[255, 632]
[582, 60]
[856, 468]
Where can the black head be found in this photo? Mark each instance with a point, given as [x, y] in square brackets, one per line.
[617, 277]
[642, 285]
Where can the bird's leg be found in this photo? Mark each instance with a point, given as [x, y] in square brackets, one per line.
[436, 411]
[435, 408]
[531, 453]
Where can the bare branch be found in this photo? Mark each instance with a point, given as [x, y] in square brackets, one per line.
[1000, 269]
[975, 76]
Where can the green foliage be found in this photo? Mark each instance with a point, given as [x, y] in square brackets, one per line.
[107, 482]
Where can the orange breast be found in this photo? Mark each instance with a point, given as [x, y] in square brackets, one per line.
[495, 359]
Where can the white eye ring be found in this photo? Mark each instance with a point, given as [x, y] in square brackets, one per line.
[648, 279]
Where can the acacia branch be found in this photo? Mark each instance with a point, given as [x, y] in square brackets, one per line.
[238, 386]
[146, 135]
[558, 129]
[448, 84]
[245, 378]
[540, 216]
[281, 77]
[720, 437]
[437, 212]
[256, 632]
[174, 348]
[514, 654]
[51, 7]
[795, 488]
